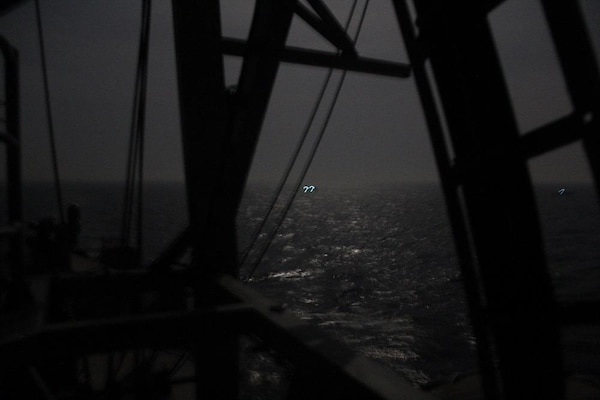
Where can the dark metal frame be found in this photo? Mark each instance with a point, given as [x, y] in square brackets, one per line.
[511, 300]
[241, 311]
[219, 134]
[498, 241]
[11, 137]
[12, 232]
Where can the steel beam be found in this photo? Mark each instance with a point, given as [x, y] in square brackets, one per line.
[335, 371]
[328, 27]
[552, 136]
[449, 182]
[339, 33]
[272, 52]
[165, 330]
[578, 62]
[13, 153]
[330, 369]
[18, 292]
[204, 114]
[518, 300]
[203, 111]
[296, 55]
[268, 34]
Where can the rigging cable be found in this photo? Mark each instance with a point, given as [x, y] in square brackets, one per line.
[135, 160]
[296, 153]
[53, 151]
[300, 179]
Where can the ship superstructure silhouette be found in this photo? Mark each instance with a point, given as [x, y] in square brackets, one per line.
[53, 325]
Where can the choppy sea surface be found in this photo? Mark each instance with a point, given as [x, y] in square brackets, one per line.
[374, 267]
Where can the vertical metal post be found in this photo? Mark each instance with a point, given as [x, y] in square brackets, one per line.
[518, 298]
[449, 183]
[15, 211]
[219, 144]
[202, 103]
[13, 161]
[270, 26]
[203, 115]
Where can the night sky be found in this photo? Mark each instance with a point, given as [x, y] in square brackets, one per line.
[377, 133]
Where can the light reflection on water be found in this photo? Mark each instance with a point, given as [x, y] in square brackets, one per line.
[369, 269]
[375, 268]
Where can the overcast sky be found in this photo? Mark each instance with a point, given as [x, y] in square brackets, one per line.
[377, 133]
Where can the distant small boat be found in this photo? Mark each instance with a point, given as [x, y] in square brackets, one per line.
[564, 192]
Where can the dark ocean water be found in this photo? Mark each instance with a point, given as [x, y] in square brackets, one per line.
[374, 267]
